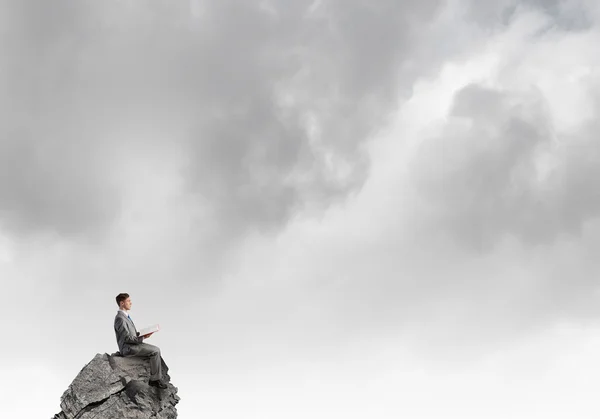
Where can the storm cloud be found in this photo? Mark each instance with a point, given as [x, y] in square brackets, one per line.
[268, 103]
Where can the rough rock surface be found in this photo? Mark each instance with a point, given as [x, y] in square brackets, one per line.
[115, 387]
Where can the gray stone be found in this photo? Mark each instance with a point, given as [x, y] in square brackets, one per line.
[114, 387]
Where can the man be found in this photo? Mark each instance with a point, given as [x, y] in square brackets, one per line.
[131, 344]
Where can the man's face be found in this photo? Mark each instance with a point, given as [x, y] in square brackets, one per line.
[126, 304]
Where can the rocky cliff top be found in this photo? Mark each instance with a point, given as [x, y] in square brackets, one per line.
[113, 387]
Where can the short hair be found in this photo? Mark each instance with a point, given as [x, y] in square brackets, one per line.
[122, 297]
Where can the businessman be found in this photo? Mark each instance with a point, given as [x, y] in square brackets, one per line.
[131, 344]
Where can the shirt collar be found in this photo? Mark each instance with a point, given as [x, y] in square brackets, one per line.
[124, 311]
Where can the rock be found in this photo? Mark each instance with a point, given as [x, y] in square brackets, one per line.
[114, 387]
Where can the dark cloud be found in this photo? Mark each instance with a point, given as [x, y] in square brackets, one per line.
[270, 103]
[565, 15]
[499, 169]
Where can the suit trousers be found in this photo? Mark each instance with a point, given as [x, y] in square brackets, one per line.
[151, 352]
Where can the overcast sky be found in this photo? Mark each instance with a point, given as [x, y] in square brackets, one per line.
[333, 208]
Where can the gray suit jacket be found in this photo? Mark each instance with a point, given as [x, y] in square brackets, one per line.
[127, 334]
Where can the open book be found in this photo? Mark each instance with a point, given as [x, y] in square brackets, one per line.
[150, 329]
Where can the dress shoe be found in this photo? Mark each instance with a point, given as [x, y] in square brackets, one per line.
[157, 383]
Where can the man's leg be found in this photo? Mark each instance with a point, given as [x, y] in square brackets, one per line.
[145, 350]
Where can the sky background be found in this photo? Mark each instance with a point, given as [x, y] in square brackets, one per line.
[334, 209]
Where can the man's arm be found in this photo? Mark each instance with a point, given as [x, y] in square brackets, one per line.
[124, 331]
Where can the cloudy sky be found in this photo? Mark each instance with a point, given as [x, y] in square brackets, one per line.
[334, 208]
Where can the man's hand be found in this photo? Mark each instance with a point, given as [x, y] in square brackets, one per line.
[147, 336]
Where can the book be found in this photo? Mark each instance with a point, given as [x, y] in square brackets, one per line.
[149, 329]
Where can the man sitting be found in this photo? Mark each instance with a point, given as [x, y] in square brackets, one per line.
[131, 344]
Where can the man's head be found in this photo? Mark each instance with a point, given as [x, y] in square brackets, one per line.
[123, 301]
